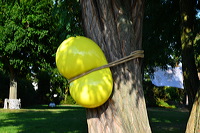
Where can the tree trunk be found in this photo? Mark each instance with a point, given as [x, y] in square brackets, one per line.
[14, 103]
[116, 26]
[13, 86]
[193, 125]
[191, 81]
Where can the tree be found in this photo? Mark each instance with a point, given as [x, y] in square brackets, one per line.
[68, 22]
[161, 34]
[117, 27]
[191, 80]
[163, 43]
[58, 86]
[26, 34]
[68, 15]
[193, 125]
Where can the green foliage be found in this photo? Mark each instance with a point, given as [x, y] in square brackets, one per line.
[149, 94]
[30, 32]
[26, 34]
[68, 100]
[161, 33]
[162, 96]
[175, 94]
[58, 86]
[197, 50]
[162, 103]
[52, 87]
[68, 22]
[26, 92]
[162, 40]
[68, 15]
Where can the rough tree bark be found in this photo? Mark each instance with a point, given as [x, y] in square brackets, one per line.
[13, 82]
[191, 81]
[116, 26]
[193, 125]
[13, 86]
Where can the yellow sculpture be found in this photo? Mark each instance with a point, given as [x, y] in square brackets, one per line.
[77, 55]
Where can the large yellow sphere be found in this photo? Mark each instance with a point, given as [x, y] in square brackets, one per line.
[77, 55]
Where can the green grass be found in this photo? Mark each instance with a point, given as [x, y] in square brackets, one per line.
[164, 120]
[42, 119]
[72, 119]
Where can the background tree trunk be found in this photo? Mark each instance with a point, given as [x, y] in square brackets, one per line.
[191, 81]
[193, 125]
[13, 81]
[116, 26]
[13, 87]
[13, 103]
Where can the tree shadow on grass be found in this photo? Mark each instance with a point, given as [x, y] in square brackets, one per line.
[168, 120]
[56, 107]
[46, 120]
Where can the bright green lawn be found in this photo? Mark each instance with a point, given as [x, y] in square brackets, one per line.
[72, 119]
[62, 119]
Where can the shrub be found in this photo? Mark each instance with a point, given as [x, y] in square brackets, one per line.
[68, 100]
[149, 94]
[162, 103]
[162, 96]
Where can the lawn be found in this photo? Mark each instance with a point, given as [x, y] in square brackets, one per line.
[42, 119]
[164, 120]
[72, 119]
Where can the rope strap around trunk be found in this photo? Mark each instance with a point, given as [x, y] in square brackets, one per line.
[133, 55]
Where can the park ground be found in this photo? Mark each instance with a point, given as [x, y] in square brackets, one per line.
[72, 119]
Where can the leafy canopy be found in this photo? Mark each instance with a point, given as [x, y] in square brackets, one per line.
[26, 34]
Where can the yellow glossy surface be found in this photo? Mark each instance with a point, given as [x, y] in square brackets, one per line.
[76, 55]
[93, 89]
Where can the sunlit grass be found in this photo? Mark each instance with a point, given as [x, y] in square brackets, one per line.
[42, 119]
[72, 119]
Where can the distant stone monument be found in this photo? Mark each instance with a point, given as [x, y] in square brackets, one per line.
[12, 103]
